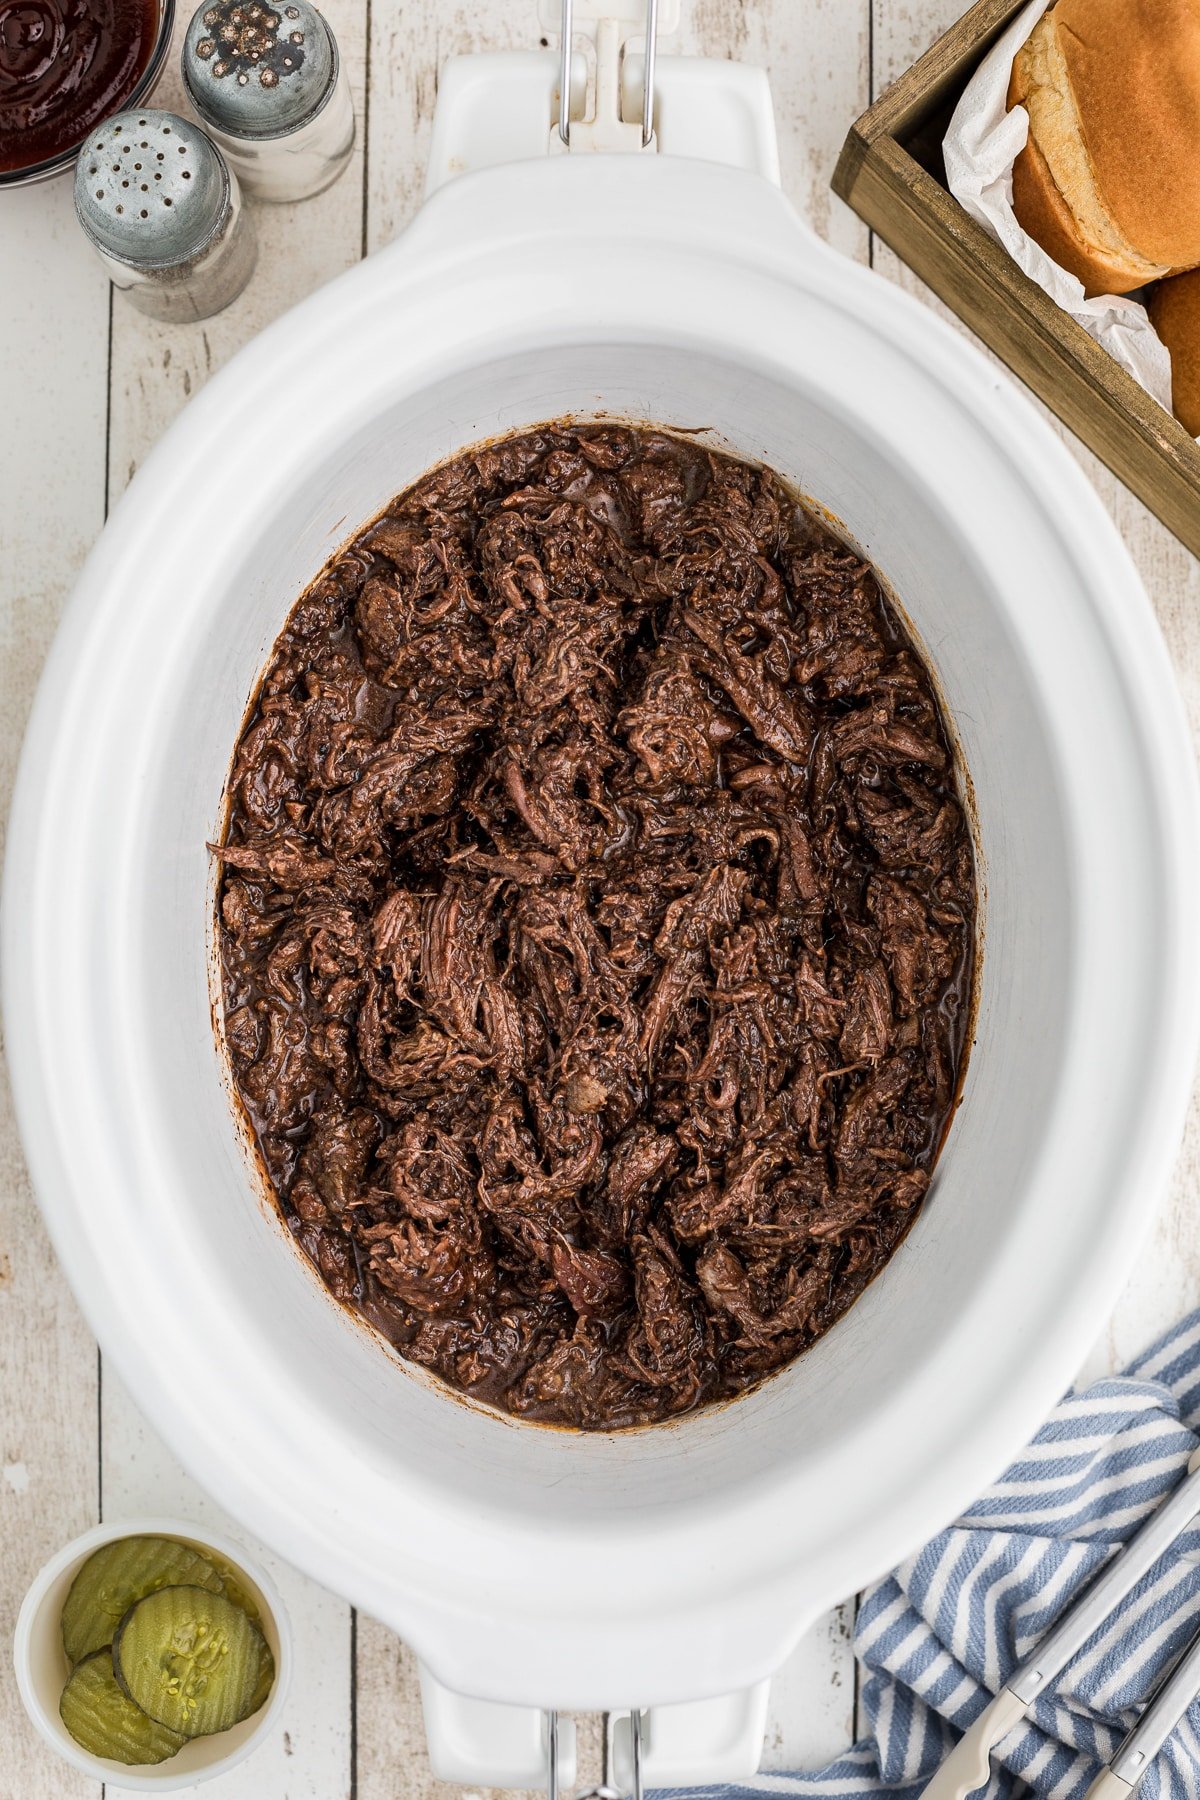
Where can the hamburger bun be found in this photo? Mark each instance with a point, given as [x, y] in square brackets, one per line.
[1175, 311]
[1109, 182]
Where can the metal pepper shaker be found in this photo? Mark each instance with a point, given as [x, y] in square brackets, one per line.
[267, 83]
[164, 214]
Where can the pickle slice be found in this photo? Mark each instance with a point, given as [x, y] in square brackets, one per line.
[234, 1587]
[116, 1576]
[265, 1681]
[105, 1721]
[237, 1591]
[191, 1659]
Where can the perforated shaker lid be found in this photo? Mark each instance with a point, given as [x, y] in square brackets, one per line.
[150, 188]
[256, 70]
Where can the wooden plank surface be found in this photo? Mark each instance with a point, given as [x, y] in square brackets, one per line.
[54, 333]
[155, 369]
[353, 1723]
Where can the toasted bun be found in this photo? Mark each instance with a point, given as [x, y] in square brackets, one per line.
[1175, 310]
[1112, 171]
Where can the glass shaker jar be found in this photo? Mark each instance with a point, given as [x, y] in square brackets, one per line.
[267, 83]
[164, 215]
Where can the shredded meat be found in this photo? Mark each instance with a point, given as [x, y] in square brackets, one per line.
[597, 917]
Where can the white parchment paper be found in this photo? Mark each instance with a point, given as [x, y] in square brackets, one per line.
[981, 145]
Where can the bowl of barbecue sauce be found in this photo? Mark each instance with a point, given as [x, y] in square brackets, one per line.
[66, 65]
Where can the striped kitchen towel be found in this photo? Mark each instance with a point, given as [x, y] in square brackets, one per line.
[936, 1639]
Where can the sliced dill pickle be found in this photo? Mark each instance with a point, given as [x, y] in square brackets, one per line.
[237, 1591]
[191, 1659]
[266, 1677]
[116, 1576]
[106, 1722]
[234, 1586]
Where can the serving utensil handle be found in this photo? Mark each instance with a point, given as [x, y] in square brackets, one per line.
[1116, 1579]
[1167, 1707]
[968, 1764]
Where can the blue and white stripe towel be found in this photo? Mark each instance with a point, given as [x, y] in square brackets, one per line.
[939, 1636]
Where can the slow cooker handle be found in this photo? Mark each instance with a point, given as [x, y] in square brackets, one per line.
[521, 105]
[479, 1743]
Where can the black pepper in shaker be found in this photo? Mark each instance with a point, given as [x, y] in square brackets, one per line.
[164, 214]
[267, 83]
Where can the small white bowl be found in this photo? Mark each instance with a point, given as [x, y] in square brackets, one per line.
[42, 1667]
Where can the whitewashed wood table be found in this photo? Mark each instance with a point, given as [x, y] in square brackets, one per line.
[86, 387]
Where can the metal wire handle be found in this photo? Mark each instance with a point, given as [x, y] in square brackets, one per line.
[564, 71]
[647, 133]
[552, 1732]
[635, 1747]
[564, 132]
[635, 1717]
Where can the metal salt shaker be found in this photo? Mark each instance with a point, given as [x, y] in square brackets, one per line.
[267, 83]
[164, 214]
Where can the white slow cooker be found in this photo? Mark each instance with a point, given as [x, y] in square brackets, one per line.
[540, 1568]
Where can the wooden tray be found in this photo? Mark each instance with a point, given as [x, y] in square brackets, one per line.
[891, 173]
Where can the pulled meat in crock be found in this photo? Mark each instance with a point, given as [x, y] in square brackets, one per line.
[596, 917]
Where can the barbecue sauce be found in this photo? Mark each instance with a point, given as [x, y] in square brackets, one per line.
[64, 66]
